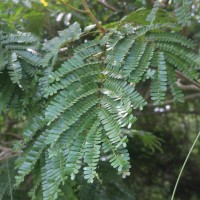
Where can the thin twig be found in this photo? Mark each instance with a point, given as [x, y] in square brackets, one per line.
[8, 156]
[187, 87]
[104, 3]
[7, 153]
[183, 166]
[72, 7]
[188, 97]
[9, 180]
[88, 12]
[165, 112]
[11, 134]
[181, 75]
[92, 17]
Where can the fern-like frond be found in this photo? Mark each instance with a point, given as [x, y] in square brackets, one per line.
[29, 57]
[59, 126]
[151, 16]
[183, 13]
[74, 75]
[35, 124]
[176, 92]
[26, 163]
[6, 93]
[3, 59]
[18, 54]
[92, 151]
[15, 69]
[53, 46]
[18, 41]
[159, 84]
[73, 164]
[6, 179]
[181, 53]
[74, 158]
[118, 52]
[144, 62]
[118, 156]
[182, 65]
[33, 193]
[71, 71]
[182, 9]
[172, 38]
[134, 57]
[51, 176]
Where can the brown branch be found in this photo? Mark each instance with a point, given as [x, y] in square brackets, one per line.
[104, 3]
[8, 156]
[163, 4]
[11, 134]
[187, 87]
[6, 143]
[92, 17]
[86, 11]
[168, 112]
[72, 7]
[182, 76]
[188, 97]
[6, 153]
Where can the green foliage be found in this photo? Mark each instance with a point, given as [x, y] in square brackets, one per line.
[103, 187]
[182, 11]
[6, 179]
[90, 101]
[159, 85]
[17, 51]
[148, 139]
[81, 110]
[175, 90]
[68, 35]
[152, 14]
[19, 66]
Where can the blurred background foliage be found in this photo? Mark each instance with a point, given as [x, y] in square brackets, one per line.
[165, 133]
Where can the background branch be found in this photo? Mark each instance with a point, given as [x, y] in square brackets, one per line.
[104, 3]
[92, 17]
[188, 97]
[184, 77]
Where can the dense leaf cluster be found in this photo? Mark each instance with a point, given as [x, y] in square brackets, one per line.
[82, 109]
